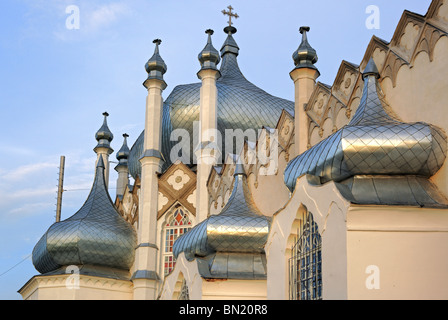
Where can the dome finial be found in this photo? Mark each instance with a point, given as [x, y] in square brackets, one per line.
[305, 56]
[371, 70]
[123, 153]
[209, 56]
[303, 30]
[155, 67]
[104, 136]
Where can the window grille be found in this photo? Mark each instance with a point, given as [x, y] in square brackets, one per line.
[184, 293]
[305, 264]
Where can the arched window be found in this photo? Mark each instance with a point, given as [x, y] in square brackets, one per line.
[305, 264]
[177, 224]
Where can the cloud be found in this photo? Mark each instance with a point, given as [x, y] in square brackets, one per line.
[25, 171]
[105, 15]
[29, 208]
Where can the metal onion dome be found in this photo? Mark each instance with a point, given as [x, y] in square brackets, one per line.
[378, 144]
[95, 236]
[241, 105]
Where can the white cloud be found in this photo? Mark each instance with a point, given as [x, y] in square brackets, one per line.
[25, 171]
[105, 15]
[29, 208]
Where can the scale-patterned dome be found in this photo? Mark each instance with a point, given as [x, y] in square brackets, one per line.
[241, 105]
[97, 235]
[372, 143]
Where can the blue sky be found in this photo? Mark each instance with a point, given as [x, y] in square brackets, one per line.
[55, 83]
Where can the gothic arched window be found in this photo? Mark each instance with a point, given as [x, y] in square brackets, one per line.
[177, 224]
[305, 265]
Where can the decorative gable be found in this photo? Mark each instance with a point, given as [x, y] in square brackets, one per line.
[177, 184]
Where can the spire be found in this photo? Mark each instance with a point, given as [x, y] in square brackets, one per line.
[239, 169]
[155, 67]
[230, 45]
[372, 108]
[371, 69]
[104, 136]
[305, 56]
[99, 165]
[209, 56]
[123, 153]
[122, 167]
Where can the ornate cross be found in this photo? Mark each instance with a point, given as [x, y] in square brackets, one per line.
[230, 14]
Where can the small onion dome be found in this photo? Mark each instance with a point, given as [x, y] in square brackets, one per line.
[305, 56]
[209, 56]
[123, 153]
[96, 236]
[239, 228]
[156, 67]
[104, 136]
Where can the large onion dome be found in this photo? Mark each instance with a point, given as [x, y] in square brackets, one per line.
[95, 238]
[241, 105]
[385, 155]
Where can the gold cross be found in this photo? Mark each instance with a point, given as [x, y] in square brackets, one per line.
[230, 14]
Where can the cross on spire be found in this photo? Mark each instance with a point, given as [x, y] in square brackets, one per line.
[230, 14]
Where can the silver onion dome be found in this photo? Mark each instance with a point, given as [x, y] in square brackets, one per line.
[155, 67]
[209, 56]
[239, 234]
[305, 56]
[240, 227]
[123, 153]
[96, 236]
[241, 105]
[378, 144]
[104, 136]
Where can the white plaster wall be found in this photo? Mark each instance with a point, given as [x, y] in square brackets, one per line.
[421, 95]
[90, 288]
[408, 246]
[271, 194]
[187, 270]
[328, 209]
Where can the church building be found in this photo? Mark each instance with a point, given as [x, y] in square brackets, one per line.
[238, 194]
